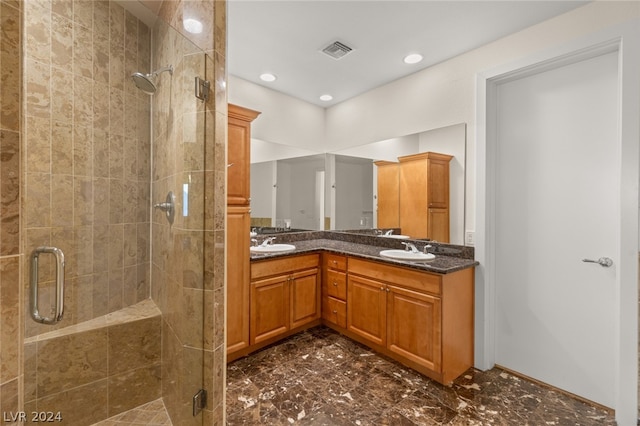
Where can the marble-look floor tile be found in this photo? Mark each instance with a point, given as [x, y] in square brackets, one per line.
[319, 377]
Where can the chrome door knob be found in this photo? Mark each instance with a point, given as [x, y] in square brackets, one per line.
[605, 262]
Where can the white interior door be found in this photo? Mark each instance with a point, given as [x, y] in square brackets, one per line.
[556, 204]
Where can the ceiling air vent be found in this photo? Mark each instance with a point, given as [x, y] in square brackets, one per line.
[337, 50]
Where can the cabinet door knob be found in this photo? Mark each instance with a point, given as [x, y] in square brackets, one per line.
[335, 312]
[335, 283]
[382, 288]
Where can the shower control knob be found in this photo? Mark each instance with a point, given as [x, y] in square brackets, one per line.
[165, 207]
[168, 207]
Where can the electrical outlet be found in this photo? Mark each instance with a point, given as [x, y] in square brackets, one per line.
[469, 238]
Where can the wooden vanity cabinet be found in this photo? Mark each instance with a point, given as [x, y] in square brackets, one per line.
[424, 195]
[334, 289]
[285, 296]
[239, 154]
[422, 319]
[238, 226]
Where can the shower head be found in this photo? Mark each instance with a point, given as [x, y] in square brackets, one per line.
[146, 83]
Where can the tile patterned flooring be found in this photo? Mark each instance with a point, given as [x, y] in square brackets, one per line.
[319, 377]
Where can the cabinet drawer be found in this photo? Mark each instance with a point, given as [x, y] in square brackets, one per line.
[405, 277]
[269, 267]
[336, 283]
[335, 261]
[334, 311]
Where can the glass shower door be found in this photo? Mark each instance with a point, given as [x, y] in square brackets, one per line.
[99, 155]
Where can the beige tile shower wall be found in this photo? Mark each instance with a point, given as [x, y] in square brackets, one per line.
[87, 151]
[188, 265]
[178, 248]
[10, 307]
[86, 189]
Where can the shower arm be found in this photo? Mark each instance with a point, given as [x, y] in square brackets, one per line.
[161, 70]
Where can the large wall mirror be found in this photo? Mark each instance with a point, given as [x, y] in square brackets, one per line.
[293, 188]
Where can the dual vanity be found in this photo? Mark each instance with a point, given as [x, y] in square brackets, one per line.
[412, 304]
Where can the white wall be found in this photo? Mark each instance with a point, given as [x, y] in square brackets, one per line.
[439, 96]
[445, 93]
[283, 119]
[262, 151]
[389, 149]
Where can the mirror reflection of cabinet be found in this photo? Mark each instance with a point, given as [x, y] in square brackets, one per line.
[424, 195]
[388, 195]
[238, 221]
[413, 195]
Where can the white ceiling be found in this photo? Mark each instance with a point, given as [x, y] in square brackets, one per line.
[286, 38]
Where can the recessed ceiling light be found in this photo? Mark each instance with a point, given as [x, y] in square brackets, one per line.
[267, 77]
[413, 58]
[326, 98]
[192, 25]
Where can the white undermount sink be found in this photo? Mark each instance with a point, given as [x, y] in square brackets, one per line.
[272, 248]
[407, 255]
[398, 236]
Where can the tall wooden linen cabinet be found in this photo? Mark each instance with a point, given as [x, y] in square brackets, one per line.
[424, 195]
[238, 225]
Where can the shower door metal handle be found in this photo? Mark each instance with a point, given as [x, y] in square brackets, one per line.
[59, 306]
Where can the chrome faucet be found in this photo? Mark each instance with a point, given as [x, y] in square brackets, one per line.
[267, 241]
[389, 232]
[426, 248]
[410, 246]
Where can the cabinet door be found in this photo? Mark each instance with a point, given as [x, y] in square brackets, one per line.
[238, 223]
[438, 187]
[238, 152]
[366, 310]
[305, 297]
[415, 328]
[269, 308]
[438, 225]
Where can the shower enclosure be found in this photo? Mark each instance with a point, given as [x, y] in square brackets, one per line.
[143, 296]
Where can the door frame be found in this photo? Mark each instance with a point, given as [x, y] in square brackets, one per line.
[625, 40]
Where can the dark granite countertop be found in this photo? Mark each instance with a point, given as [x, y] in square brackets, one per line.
[449, 258]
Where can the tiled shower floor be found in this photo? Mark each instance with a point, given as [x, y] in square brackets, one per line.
[321, 378]
[153, 413]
